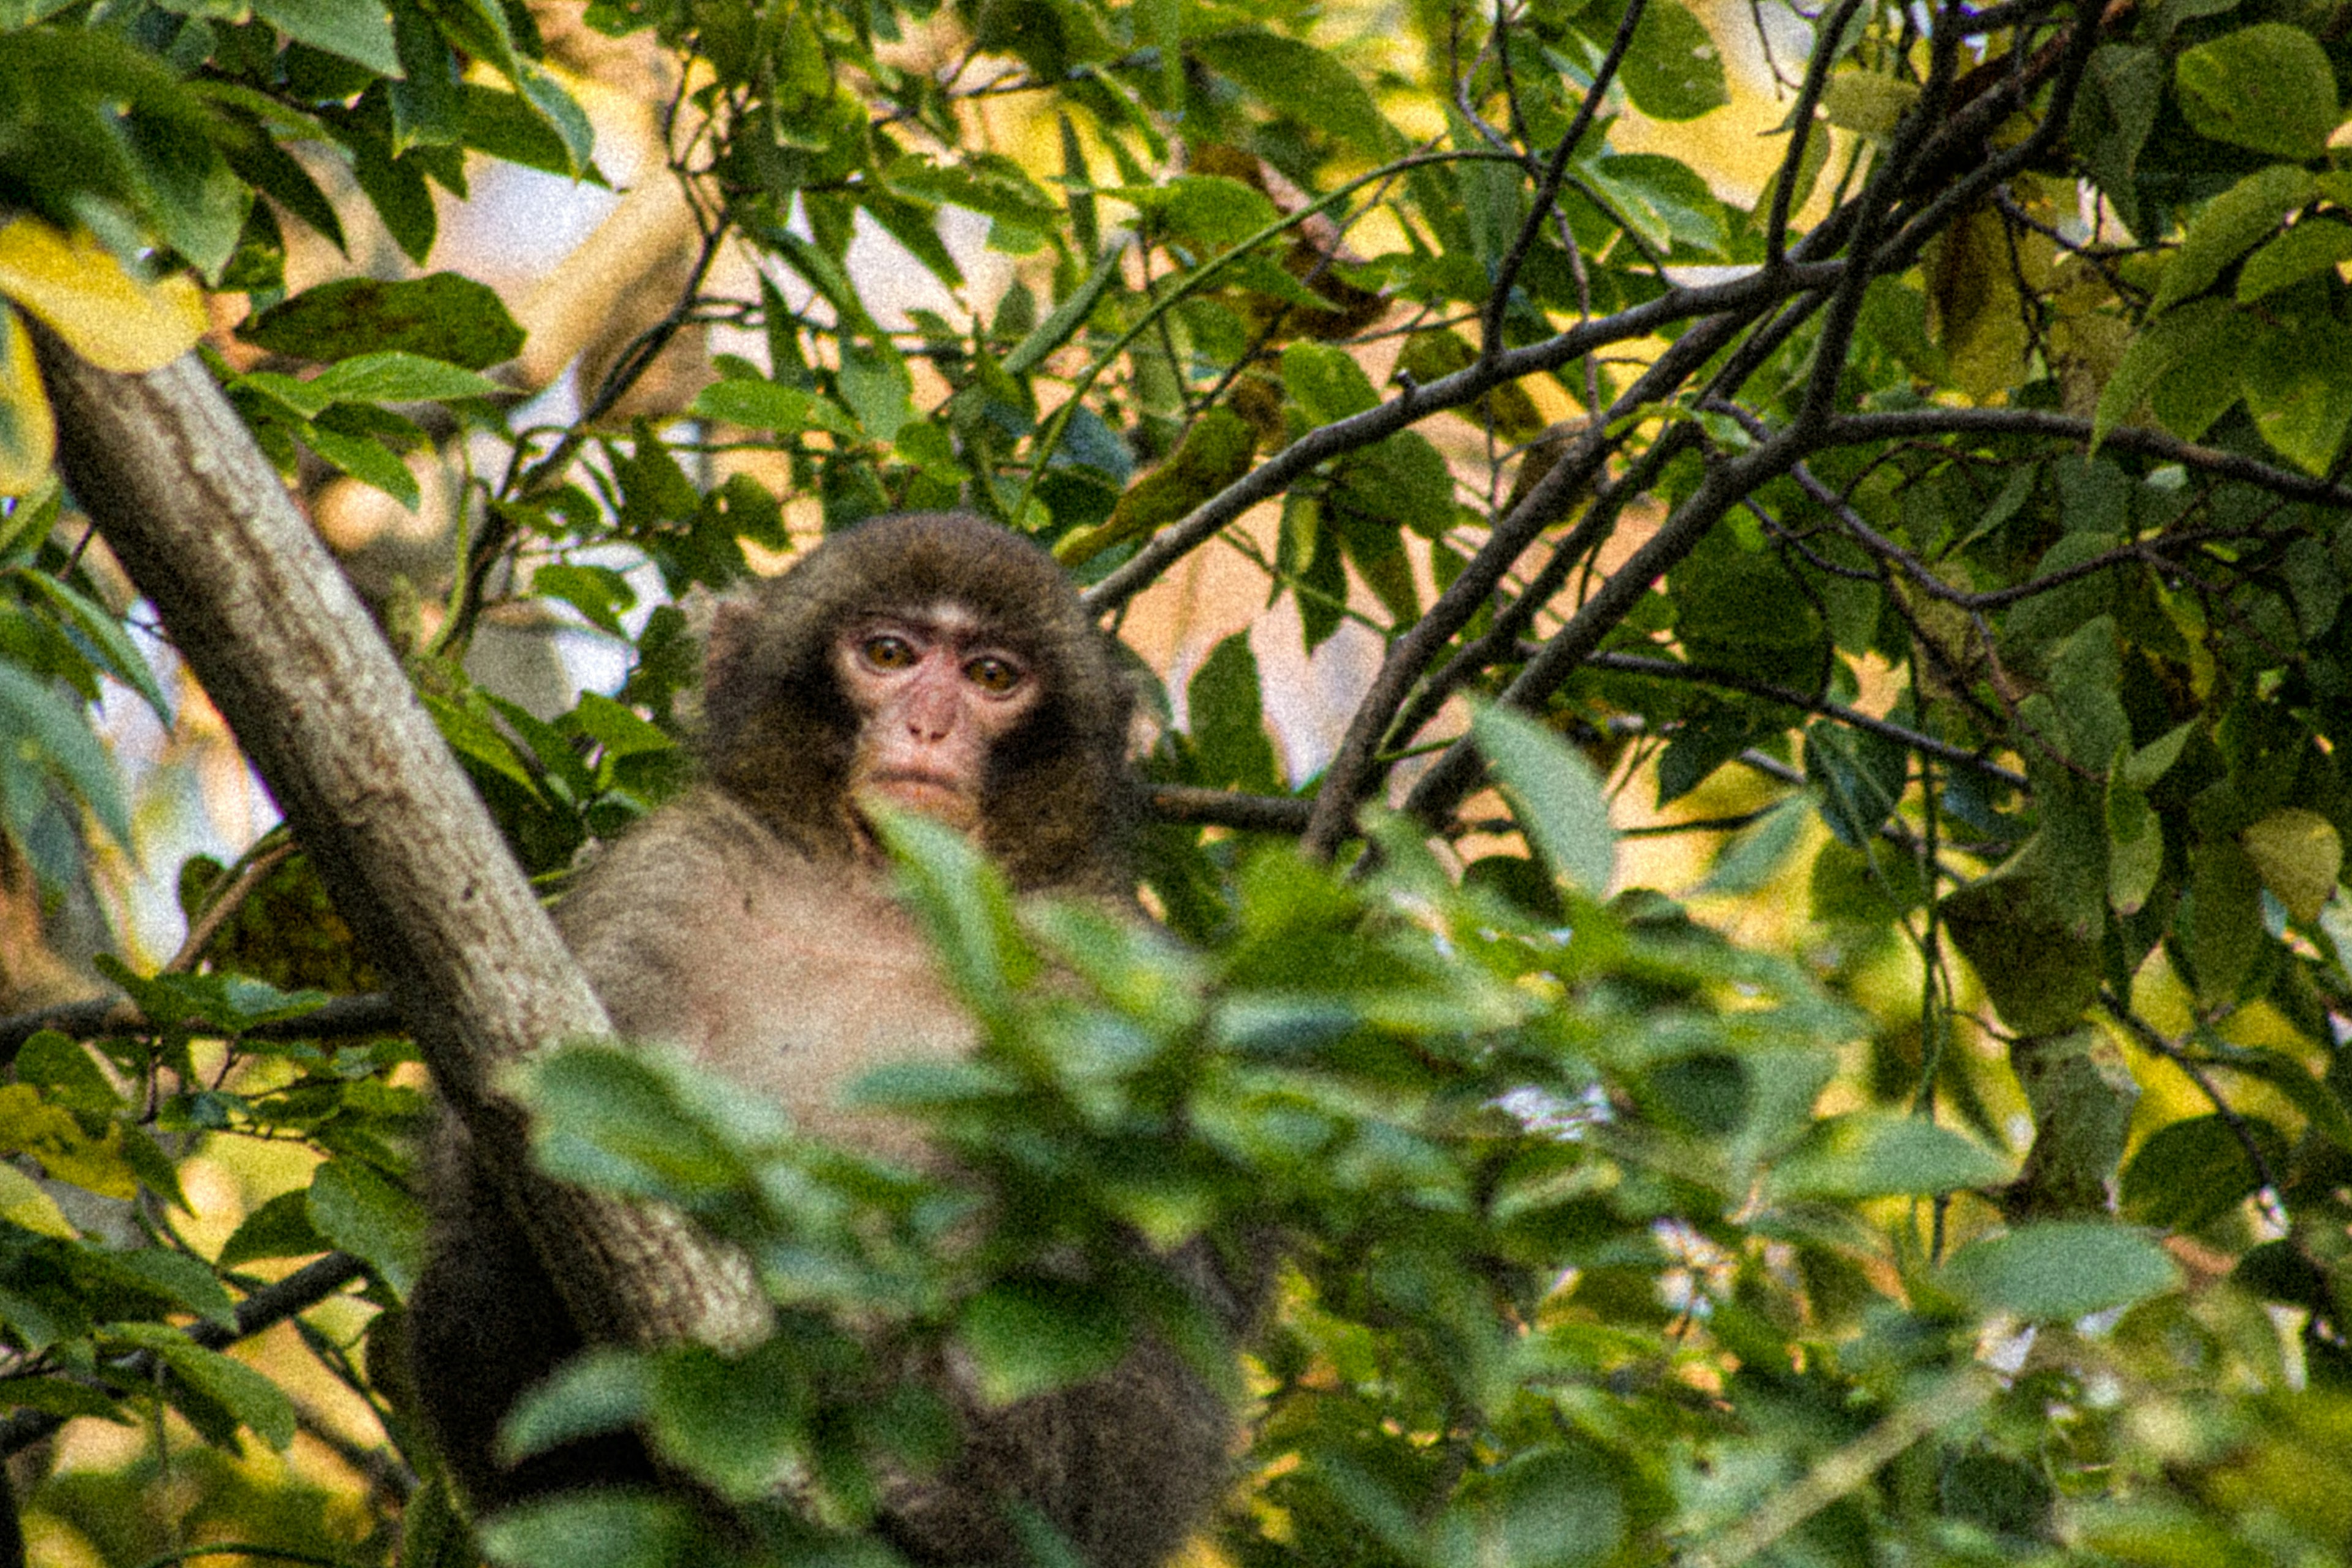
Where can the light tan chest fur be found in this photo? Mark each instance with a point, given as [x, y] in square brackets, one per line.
[790, 978]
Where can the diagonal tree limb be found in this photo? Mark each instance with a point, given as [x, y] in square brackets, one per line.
[264, 618]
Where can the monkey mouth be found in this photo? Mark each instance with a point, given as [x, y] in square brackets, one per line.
[930, 794]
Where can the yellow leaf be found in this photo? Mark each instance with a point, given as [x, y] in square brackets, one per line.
[22, 1202]
[2299, 857]
[77, 288]
[31, 1125]
[28, 430]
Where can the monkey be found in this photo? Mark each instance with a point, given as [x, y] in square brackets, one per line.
[930, 662]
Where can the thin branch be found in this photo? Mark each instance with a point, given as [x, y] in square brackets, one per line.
[1599, 521]
[1228, 808]
[1844, 1469]
[1506, 273]
[1871, 429]
[1416, 403]
[1455, 774]
[1809, 98]
[1916, 740]
[272, 1304]
[344, 1017]
[1874, 208]
[1348, 779]
[222, 905]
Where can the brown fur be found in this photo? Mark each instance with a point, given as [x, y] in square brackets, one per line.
[748, 925]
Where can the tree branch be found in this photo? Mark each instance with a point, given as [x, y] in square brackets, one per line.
[1915, 740]
[265, 620]
[1417, 403]
[272, 1304]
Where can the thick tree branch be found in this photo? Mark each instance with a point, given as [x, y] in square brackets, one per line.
[267, 621]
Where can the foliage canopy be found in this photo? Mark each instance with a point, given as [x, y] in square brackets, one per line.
[1972, 489]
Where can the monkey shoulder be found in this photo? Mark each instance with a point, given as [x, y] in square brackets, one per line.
[791, 974]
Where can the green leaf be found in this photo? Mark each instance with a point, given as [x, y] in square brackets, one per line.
[738, 1423]
[603, 1390]
[1664, 198]
[2032, 947]
[1857, 776]
[874, 382]
[245, 1394]
[2298, 379]
[1552, 1508]
[1674, 71]
[1403, 481]
[2194, 1171]
[2134, 844]
[1754, 855]
[358, 30]
[2224, 920]
[1290, 78]
[557, 110]
[509, 126]
[760, 404]
[2267, 86]
[2116, 108]
[355, 1207]
[1325, 382]
[2193, 331]
[1030, 1336]
[2299, 856]
[177, 1278]
[51, 734]
[964, 907]
[1872, 103]
[2231, 223]
[608, 1530]
[281, 1227]
[2060, 1272]
[1557, 797]
[445, 316]
[367, 461]
[1228, 725]
[1872, 1155]
[1066, 318]
[120, 655]
[1206, 212]
[62, 1068]
[2310, 247]
[2085, 673]
[396, 376]
[598, 593]
[617, 730]
[2153, 761]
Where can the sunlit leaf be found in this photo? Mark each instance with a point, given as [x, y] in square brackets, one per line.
[79, 290]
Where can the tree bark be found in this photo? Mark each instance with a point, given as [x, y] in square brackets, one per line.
[264, 617]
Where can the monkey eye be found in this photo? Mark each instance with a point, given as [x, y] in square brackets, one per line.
[993, 675]
[886, 651]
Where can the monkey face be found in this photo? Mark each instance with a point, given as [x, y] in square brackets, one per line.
[934, 695]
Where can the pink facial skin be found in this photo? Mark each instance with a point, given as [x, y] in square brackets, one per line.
[933, 695]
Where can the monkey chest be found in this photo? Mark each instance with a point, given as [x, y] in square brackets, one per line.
[819, 992]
